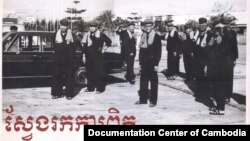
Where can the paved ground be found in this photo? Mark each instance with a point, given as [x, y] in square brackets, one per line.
[176, 104]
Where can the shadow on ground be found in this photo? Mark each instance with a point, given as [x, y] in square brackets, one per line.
[239, 98]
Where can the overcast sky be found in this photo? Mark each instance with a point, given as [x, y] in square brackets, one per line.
[54, 9]
[174, 7]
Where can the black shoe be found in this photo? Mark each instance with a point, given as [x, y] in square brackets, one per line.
[139, 102]
[152, 105]
[88, 91]
[99, 92]
[217, 112]
[69, 97]
[132, 82]
[227, 100]
[212, 109]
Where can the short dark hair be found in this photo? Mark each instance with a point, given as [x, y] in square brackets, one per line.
[64, 22]
[202, 20]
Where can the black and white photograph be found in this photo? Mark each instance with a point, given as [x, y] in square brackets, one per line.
[142, 62]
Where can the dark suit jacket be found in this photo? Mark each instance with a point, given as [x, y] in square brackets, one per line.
[173, 43]
[98, 44]
[230, 44]
[129, 44]
[152, 54]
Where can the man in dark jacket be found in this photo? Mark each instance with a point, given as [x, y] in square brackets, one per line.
[93, 48]
[129, 45]
[173, 48]
[202, 50]
[149, 57]
[121, 31]
[231, 51]
[63, 72]
[188, 52]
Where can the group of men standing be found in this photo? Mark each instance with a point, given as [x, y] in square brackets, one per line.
[209, 55]
[92, 45]
[149, 58]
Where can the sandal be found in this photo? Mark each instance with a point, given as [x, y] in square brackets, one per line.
[217, 112]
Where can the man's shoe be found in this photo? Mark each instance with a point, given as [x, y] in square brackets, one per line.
[132, 82]
[99, 92]
[152, 105]
[217, 112]
[56, 97]
[69, 98]
[227, 100]
[139, 102]
[88, 91]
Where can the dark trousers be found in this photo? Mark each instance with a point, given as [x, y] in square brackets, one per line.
[148, 74]
[229, 81]
[202, 80]
[172, 64]
[189, 65]
[200, 62]
[63, 73]
[178, 64]
[95, 72]
[218, 91]
[130, 75]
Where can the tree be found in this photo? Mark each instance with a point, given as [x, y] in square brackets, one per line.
[43, 25]
[105, 19]
[221, 8]
[75, 11]
[214, 20]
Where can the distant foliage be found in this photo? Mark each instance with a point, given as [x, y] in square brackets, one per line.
[214, 20]
[105, 19]
[222, 7]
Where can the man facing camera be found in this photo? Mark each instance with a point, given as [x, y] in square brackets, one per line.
[129, 45]
[93, 47]
[149, 58]
[63, 72]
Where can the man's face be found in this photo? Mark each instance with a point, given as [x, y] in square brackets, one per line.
[92, 29]
[217, 33]
[131, 28]
[63, 28]
[148, 27]
[170, 28]
[167, 28]
[203, 27]
[188, 30]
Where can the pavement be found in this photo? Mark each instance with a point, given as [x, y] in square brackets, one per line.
[176, 104]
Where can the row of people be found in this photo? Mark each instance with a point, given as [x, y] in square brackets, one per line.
[209, 58]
